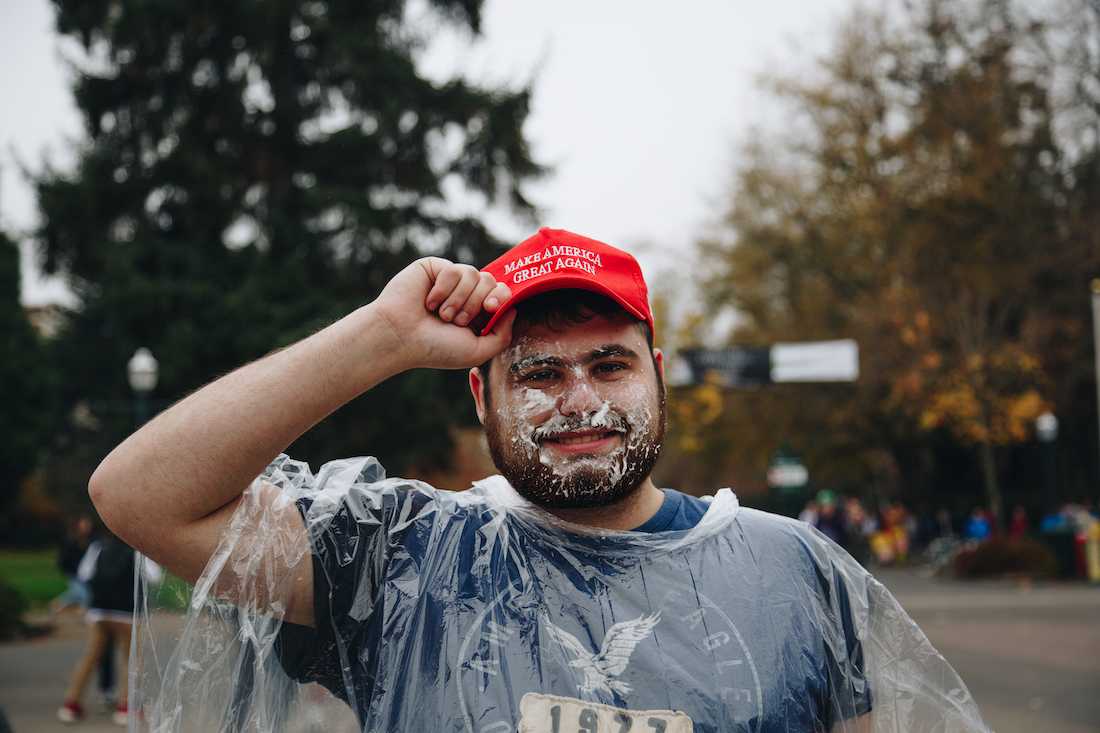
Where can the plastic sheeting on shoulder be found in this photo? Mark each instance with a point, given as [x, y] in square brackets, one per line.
[476, 611]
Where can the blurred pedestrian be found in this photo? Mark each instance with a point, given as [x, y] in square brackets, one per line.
[809, 513]
[78, 535]
[890, 543]
[1054, 522]
[1077, 515]
[830, 522]
[108, 569]
[978, 526]
[858, 527]
[1019, 526]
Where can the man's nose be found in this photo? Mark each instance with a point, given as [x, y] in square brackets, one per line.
[579, 398]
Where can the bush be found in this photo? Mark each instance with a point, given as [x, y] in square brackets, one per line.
[12, 607]
[1000, 556]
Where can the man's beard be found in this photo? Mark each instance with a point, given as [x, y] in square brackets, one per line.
[578, 481]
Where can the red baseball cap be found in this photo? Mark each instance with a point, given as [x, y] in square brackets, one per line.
[554, 259]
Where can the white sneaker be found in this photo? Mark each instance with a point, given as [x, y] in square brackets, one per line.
[70, 712]
[121, 716]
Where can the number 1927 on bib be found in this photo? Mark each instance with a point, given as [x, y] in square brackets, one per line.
[553, 714]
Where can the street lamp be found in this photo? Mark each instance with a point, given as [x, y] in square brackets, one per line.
[1046, 428]
[142, 371]
[1046, 425]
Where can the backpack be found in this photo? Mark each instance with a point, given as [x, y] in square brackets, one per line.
[112, 584]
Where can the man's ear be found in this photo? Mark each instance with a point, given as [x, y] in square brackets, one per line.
[659, 360]
[477, 389]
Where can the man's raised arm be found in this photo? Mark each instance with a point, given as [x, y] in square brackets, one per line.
[170, 488]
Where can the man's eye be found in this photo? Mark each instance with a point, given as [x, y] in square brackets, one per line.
[541, 375]
[609, 367]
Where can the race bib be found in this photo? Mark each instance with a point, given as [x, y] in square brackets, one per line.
[552, 714]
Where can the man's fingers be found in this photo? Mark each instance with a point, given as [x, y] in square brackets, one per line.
[498, 297]
[445, 281]
[474, 302]
[468, 280]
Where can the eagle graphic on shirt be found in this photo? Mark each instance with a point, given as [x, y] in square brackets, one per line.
[601, 669]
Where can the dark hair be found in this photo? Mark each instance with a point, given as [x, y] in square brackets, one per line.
[559, 310]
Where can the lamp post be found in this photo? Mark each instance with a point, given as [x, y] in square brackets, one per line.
[1046, 428]
[142, 371]
[1096, 340]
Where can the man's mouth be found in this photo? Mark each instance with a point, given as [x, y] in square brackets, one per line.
[583, 441]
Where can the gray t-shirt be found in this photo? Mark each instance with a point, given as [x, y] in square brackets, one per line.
[437, 612]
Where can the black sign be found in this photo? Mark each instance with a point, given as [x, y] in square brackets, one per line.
[739, 366]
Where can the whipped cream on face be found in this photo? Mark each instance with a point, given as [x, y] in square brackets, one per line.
[598, 424]
[536, 429]
[534, 402]
[632, 424]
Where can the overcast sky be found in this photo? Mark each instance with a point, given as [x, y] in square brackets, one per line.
[639, 106]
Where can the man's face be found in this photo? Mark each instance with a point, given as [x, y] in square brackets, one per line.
[577, 416]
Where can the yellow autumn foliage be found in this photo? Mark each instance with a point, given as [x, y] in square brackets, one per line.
[695, 410]
[993, 399]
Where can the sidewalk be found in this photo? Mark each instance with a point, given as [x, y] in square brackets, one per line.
[1029, 654]
[33, 677]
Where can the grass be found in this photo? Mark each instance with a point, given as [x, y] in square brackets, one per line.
[173, 594]
[33, 573]
[35, 576]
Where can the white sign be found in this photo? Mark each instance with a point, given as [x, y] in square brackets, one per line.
[788, 475]
[816, 361]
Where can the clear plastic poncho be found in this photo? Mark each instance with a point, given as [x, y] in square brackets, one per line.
[476, 611]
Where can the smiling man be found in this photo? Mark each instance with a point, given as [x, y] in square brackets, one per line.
[567, 594]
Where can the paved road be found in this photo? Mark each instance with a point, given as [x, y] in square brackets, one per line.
[33, 677]
[1030, 655]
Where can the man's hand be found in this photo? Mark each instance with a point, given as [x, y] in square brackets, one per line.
[170, 489]
[429, 307]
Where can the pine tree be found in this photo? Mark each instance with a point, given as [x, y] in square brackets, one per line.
[252, 172]
[27, 414]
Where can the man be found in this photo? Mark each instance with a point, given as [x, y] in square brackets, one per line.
[568, 594]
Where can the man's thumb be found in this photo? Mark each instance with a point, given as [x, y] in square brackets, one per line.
[498, 339]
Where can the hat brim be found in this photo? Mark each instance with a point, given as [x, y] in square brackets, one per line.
[563, 282]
